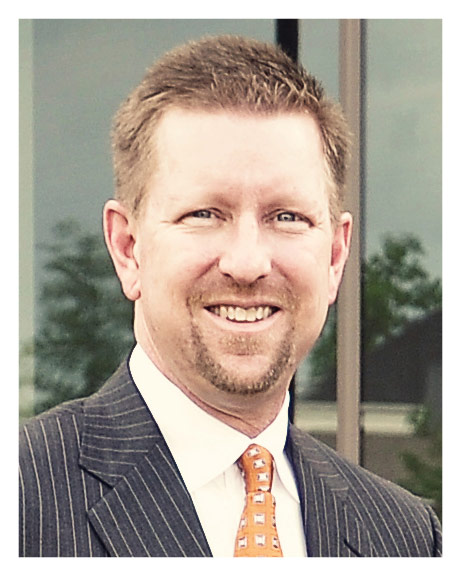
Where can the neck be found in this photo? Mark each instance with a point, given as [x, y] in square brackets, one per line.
[248, 415]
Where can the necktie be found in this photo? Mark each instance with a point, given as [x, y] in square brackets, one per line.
[257, 534]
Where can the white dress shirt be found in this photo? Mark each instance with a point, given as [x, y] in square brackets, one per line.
[206, 450]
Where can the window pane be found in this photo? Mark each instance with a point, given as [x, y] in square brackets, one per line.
[401, 323]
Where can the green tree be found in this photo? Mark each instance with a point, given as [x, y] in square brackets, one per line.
[396, 290]
[424, 473]
[86, 324]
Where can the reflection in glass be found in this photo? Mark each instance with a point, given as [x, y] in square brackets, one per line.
[401, 321]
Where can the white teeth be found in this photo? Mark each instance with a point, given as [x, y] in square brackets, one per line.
[251, 315]
[239, 314]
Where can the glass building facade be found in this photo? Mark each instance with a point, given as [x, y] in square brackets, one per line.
[74, 74]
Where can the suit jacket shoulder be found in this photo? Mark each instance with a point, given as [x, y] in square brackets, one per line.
[350, 511]
[54, 495]
[97, 479]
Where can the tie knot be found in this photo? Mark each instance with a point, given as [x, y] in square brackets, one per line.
[257, 466]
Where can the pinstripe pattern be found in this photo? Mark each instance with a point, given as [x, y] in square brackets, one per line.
[97, 479]
[348, 511]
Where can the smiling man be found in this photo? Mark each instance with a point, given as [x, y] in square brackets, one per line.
[233, 259]
[228, 234]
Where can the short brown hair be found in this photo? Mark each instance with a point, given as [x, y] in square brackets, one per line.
[222, 73]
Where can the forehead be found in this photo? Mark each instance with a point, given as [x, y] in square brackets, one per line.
[194, 141]
[180, 126]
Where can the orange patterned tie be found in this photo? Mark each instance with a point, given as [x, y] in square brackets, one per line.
[257, 534]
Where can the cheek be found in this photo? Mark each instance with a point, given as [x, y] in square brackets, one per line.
[308, 271]
[170, 270]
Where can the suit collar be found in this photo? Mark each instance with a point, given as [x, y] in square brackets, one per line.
[146, 509]
[118, 430]
[204, 434]
[331, 526]
[145, 505]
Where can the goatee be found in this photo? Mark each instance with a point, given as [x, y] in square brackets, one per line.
[242, 346]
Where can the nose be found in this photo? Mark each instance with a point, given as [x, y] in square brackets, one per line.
[246, 257]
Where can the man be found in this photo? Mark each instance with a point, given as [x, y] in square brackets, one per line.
[228, 234]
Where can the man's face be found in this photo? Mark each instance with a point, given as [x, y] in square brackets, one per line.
[236, 255]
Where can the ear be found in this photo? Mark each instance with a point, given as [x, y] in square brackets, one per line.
[119, 233]
[339, 254]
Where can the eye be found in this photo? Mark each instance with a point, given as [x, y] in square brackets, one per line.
[288, 217]
[291, 221]
[201, 218]
[201, 214]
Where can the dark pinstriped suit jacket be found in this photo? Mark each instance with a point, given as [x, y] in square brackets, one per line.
[97, 479]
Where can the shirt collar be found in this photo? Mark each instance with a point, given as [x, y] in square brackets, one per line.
[193, 435]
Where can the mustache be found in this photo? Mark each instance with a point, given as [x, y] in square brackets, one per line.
[227, 291]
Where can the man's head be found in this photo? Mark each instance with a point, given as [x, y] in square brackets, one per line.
[228, 245]
[214, 74]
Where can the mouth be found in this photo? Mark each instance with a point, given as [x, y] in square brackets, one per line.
[240, 314]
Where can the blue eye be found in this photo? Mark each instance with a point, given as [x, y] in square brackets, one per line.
[287, 217]
[291, 221]
[202, 214]
[202, 218]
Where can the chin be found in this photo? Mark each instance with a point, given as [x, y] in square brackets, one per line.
[246, 368]
[241, 377]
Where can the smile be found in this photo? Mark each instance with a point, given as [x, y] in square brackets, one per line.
[238, 314]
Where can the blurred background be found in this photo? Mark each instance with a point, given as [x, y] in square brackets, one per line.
[75, 325]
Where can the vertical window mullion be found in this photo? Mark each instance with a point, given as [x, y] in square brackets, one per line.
[349, 300]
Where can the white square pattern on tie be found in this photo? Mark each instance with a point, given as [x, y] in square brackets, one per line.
[259, 498]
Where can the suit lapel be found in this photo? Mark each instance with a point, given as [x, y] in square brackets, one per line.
[145, 508]
[331, 527]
